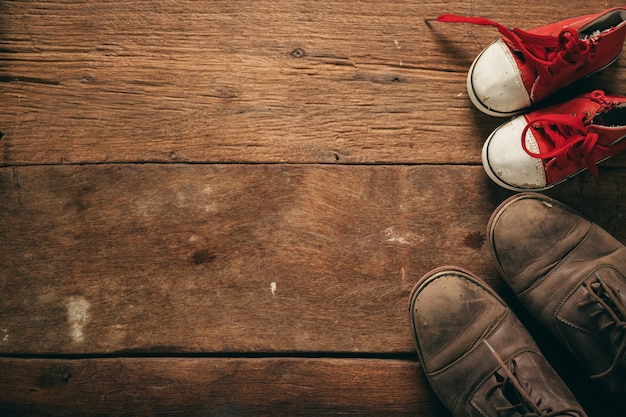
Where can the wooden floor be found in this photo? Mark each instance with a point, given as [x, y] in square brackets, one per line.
[219, 208]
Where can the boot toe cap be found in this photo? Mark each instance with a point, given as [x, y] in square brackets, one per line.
[450, 312]
[529, 234]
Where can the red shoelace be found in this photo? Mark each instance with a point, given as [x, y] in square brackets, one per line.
[546, 54]
[571, 138]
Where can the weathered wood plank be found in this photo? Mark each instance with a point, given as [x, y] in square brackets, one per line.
[219, 260]
[214, 387]
[225, 258]
[228, 387]
[250, 81]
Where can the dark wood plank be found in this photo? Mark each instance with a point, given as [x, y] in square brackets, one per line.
[228, 387]
[257, 81]
[225, 258]
[214, 387]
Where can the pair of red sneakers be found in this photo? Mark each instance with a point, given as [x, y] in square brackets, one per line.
[541, 147]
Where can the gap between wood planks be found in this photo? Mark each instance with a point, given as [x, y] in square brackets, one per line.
[411, 357]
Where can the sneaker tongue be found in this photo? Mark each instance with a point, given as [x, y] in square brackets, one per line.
[614, 117]
[611, 129]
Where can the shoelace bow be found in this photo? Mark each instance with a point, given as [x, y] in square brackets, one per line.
[610, 303]
[571, 137]
[546, 54]
[527, 406]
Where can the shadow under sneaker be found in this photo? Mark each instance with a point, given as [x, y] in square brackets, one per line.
[477, 356]
[569, 273]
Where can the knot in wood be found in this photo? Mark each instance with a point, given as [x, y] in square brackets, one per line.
[298, 53]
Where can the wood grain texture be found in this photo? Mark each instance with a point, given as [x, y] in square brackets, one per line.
[218, 208]
[249, 81]
[221, 387]
[225, 258]
[228, 387]
[182, 258]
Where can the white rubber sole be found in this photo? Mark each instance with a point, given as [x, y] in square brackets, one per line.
[479, 104]
[485, 109]
[491, 174]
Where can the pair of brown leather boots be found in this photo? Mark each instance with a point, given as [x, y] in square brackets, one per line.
[569, 274]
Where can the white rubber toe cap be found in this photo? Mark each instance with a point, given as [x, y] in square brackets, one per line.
[506, 162]
[494, 82]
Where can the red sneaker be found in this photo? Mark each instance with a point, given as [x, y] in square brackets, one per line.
[524, 67]
[540, 149]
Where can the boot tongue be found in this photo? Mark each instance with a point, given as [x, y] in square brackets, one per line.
[592, 321]
[514, 396]
[610, 315]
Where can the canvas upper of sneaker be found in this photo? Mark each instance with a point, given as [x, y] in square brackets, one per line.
[585, 45]
[541, 61]
[540, 149]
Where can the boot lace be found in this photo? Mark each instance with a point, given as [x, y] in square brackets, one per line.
[571, 138]
[608, 299]
[520, 395]
[547, 55]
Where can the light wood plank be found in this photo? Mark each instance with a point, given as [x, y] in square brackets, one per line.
[250, 81]
[226, 258]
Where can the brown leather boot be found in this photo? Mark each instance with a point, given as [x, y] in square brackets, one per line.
[569, 273]
[477, 356]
